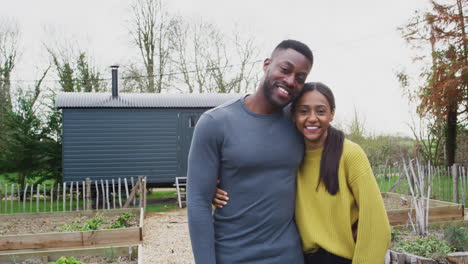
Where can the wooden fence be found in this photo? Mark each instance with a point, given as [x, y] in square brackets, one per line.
[448, 183]
[73, 196]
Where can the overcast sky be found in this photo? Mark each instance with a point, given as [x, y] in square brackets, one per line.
[356, 46]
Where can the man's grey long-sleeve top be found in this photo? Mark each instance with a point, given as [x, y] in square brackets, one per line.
[255, 157]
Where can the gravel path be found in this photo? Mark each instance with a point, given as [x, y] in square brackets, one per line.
[166, 238]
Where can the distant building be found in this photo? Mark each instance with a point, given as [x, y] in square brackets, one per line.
[106, 136]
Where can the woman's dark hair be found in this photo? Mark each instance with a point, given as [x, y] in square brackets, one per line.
[333, 147]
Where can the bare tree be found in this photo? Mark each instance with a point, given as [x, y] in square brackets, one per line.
[9, 34]
[356, 129]
[233, 73]
[151, 29]
[247, 52]
[194, 45]
[429, 135]
[208, 61]
[191, 50]
[132, 80]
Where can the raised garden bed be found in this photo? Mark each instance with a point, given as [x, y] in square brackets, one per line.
[435, 250]
[45, 230]
[130, 254]
[441, 215]
[398, 206]
[446, 241]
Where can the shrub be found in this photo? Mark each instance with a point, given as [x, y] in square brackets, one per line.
[122, 221]
[428, 247]
[396, 234]
[94, 223]
[64, 260]
[457, 237]
[90, 225]
[72, 227]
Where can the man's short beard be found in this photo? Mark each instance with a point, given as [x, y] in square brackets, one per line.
[268, 92]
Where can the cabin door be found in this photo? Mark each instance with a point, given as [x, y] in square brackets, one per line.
[186, 127]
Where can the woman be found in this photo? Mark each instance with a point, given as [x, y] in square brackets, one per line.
[336, 189]
[339, 210]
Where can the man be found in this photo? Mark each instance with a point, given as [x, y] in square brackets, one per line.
[254, 150]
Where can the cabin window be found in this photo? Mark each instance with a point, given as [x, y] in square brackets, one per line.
[192, 121]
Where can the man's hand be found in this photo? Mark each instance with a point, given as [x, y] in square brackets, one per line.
[220, 198]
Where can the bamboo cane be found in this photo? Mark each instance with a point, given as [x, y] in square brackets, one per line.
[12, 196]
[77, 197]
[140, 182]
[133, 186]
[31, 198]
[1, 198]
[45, 198]
[97, 194]
[144, 192]
[64, 194]
[24, 198]
[52, 197]
[71, 196]
[120, 196]
[107, 194]
[58, 196]
[88, 194]
[113, 193]
[84, 195]
[132, 195]
[6, 198]
[38, 194]
[126, 189]
[454, 174]
[19, 197]
[103, 195]
[463, 185]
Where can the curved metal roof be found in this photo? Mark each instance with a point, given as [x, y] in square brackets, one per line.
[142, 100]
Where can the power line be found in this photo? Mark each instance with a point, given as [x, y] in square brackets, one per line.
[141, 76]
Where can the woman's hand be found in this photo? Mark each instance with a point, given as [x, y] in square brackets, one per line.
[220, 198]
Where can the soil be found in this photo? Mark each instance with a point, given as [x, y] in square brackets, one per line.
[22, 225]
[89, 260]
[402, 202]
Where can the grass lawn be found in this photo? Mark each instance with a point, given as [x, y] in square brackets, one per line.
[166, 196]
[162, 194]
[161, 207]
[442, 187]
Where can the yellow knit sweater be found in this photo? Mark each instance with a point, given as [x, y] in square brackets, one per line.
[325, 220]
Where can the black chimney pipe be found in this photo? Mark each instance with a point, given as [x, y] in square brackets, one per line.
[115, 89]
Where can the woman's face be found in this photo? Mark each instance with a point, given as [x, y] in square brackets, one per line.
[312, 117]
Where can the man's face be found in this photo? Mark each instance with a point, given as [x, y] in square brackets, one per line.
[285, 75]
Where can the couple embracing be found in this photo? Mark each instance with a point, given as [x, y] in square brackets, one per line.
[292, 189]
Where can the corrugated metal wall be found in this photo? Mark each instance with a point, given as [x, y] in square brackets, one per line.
[111, 143]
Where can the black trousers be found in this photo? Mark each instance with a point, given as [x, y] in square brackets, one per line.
[324, 257]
